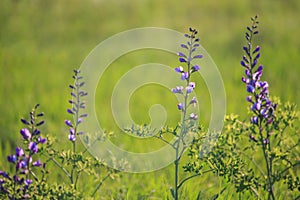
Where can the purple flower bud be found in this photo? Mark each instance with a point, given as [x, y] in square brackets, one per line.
[72, 131]
[180, 106]
[195, 68]
[184, 75]
[70, 111]
[181, 54]
[12, 158]
[184, 46]
[72, 137]
[36, 132]
[249, 99]
[179, 69]
[254, 120]
[189, 89]
[80, 133]
[25, 122]
[33, 147]
[37, 163]
[193, 116]
[40, 123]
[257, 105]
[250, 88]
[198, 56]
[79, 121]
[21, 164]
[192, 84]
[193, 101]
[83, 115]
[4, 174]
[256, 49]
[27, 181]
[178, 89]
[254, 62]
[247, 72]
[42, 140]
[244, 64]
[68, 123]
[19, 152]
[25, 133]
[182, 60]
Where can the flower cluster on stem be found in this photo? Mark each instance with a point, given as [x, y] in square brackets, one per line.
[24, 159]
[261, 106]
[188, 119]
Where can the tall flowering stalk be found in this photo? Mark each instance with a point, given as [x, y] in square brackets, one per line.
[262, 107]
[18, 186]
[188, 119]
[77, 105]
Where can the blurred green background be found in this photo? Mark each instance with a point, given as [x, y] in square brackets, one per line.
[41, 41]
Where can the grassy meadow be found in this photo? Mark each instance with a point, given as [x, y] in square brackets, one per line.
[42, 41]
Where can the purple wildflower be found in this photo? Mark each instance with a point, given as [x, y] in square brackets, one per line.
[25, 133]
[33, 147]
[19, 152]
[180, 106]
[12, 158]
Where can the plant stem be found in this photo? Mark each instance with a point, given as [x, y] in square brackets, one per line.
[268, 164]
[100, 183]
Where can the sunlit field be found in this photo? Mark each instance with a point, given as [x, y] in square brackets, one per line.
[41, 42]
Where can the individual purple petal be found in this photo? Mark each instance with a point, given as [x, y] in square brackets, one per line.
[198, 56]
[12, 158]
[79, 120]
[180, 106]
[179, 69]
[189, 89]
[196, 68]
[192, 84]
[25, 122]
[254, 120]
[249, 99]
[181, 54]
[184, 75]
[182, 60]
[68, 123]
[36, 132]
[184, 46]
[42, 140]
[193, 116]
[244, 64]
[72, 137]
[40, 123]
[256, 49]
[83, 115]
[19, 152]
[33, 147]
[27, 181]
[4, 174]
[37, 163]
[72, 131]
[25, 133]
[70, 111]
[250, 88]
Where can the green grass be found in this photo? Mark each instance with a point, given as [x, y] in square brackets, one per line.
[42, 41]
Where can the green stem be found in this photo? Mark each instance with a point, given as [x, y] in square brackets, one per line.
[268, 165]
[100, 183]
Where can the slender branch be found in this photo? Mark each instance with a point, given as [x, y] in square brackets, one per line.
[164, 140]
[100, 183]
[58, 164]
[255, 192]
[192, 176]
